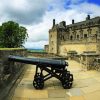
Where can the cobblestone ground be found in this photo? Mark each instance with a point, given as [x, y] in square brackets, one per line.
[86, 86]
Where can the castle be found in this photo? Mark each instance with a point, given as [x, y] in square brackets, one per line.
[79, 37]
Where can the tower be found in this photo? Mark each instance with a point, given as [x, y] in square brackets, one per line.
[53, 39]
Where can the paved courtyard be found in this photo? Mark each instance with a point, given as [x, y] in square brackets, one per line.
[86, 86]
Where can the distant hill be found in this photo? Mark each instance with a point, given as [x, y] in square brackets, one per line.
[35, 50]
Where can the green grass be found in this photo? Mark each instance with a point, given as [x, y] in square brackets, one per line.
[11, 48]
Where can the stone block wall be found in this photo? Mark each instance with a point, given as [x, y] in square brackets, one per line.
[41, 54]
[79, 48]
[87, 61]
[9, 71]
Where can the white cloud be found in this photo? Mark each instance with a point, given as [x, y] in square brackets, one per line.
[39, 32]
[88, 8]
[36, 17]
[35, 45]
[24, 11]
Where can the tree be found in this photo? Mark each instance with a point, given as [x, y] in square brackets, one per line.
[12, 35]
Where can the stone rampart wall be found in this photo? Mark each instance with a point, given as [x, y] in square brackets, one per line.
[9, 71]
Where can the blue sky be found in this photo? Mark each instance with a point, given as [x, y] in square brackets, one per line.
[37, 15]
[97, 2]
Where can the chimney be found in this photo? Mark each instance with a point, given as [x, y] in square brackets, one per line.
[64, 23]
[72, 21]
[53, 22]
[88, 17]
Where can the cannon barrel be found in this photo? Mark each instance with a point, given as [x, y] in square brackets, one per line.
[38, 61]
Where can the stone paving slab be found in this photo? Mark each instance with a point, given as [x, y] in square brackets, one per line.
[29, 93]
[85, 82]
[49, 85]
[75, 92]
[86, 86]
[51, 99]
[77, 98]
[56, 93]
[92, 96]
[92, 88]
[97, 78]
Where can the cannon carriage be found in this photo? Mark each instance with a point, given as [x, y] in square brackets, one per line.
[54, 68]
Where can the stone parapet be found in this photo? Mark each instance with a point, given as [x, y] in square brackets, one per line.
[9, 71]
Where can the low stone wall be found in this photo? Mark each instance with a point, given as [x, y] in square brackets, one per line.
[88, 62]
[40, 54]
[46, 55]
[77, 58]
[9, 71]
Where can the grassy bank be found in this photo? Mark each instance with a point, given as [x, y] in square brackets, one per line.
[11, 48]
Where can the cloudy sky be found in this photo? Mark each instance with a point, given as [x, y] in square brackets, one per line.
[37, 15]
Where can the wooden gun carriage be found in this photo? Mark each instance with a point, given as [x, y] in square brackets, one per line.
[54, 68]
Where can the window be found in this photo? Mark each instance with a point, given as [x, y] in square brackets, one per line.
[78, 37]
[71, 37]
[85, 36]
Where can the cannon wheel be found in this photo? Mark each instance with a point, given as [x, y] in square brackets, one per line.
[38, 81]
[67, 80]
[67, 84]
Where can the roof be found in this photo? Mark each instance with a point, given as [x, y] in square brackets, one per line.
[82, 24]
[90, 21]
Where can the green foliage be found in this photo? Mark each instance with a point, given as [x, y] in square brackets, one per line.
[12, 35]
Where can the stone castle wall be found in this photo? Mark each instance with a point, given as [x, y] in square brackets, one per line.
[9, 71]
[79, 48]
[79, 37]
[76, 40]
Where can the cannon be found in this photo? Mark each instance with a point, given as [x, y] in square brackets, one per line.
[54, 68]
